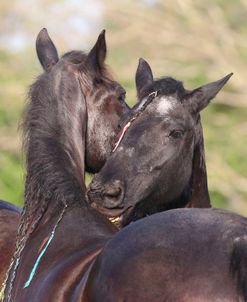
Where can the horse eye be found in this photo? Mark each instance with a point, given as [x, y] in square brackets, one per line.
[121, 97]
[176, 134]
[98, 81]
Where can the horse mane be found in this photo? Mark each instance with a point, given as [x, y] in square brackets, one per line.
[165, 86]
[78, 57]
[75, 56]
[50, 176]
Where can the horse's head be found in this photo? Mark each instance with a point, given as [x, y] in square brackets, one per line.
[88, 94]
[152, 164]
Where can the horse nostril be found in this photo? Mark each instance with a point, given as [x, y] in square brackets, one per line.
[113, 192]
[113, 195]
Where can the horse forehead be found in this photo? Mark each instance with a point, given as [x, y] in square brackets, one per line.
[166, 104]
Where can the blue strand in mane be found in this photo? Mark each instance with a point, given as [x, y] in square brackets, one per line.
[39, 258]
[36, 264]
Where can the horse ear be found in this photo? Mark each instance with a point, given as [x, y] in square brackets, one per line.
[144, 77]
[46, 50]
[200, 97]
[97, 55]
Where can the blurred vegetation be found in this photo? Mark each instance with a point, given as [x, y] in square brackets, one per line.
[193, 41]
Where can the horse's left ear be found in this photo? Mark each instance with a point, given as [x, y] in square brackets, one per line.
[46, 50]
[200, 97]
[97, 55]
[144, 77]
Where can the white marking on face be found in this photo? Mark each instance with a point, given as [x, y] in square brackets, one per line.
[166, 103]
[130, 151]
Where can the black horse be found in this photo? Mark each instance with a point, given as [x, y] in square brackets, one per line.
[74, 114]
[161, 153]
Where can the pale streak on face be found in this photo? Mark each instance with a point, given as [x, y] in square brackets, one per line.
[142, 102]
[166, 103]
[130, 151]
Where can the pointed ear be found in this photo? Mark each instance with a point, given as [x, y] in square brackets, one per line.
[97, 55]
[144, 77]
[46, 50]
[200, 97]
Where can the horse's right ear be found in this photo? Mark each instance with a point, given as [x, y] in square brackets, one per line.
[46, 50]
[144, 77]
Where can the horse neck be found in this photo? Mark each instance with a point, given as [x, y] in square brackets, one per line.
[68, 222]
[55, 204]
[55, 151]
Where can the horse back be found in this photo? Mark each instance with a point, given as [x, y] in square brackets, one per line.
[4, 205]
[9, 221]
[175, 256]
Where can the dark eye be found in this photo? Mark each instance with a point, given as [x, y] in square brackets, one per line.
[98, 81]
[176, 134]
[122, 95]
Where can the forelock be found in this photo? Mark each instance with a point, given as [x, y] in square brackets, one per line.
[79, 57]
[75, 56]
[166, 86]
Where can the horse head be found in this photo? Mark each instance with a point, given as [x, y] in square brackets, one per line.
[151, 168]
[88, 89]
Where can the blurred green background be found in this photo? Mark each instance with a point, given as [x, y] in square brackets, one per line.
[193, 41]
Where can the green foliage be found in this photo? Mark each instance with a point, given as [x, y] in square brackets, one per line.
[11, 175]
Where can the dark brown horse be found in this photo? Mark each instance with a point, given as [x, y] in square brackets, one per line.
[161, 153]
[105, 107]
[74, 97]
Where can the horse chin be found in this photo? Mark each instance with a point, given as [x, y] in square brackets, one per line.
[117, 217]
[117, 221]
[121, 220]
